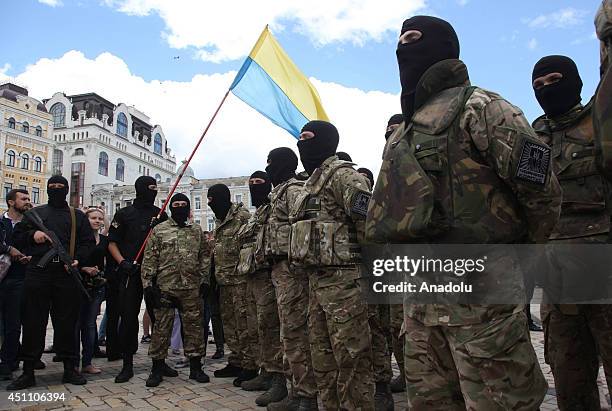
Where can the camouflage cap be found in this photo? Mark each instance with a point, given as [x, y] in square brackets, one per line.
[603, 20]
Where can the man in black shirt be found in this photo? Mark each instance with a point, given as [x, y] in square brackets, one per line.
[127, 233]
[51, 287]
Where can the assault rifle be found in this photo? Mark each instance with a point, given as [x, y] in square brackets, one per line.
[56, 250]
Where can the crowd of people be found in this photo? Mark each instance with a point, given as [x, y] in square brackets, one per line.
[460, 165]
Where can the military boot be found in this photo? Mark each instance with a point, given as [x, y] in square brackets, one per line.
[398, 384]
[228, 371]
[71, 375]
[245, 375]
[260, 383]
[289, 403]
[277, 391]
[195, 370]
[168, 371]
[25, 380]
[157, 374]
[308, 404]
[127, 371]
[383, 399]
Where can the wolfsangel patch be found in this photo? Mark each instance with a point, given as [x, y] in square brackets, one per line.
[534, 163]
[360, 203]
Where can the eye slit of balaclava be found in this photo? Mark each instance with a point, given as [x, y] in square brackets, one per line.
[220, 202]
[314, 151]
[395, 119]
[57, 196]
[143, 192]
[260, 192]
[180, 214]
[560, 97]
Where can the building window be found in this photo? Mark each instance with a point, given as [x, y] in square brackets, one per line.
[39, 131]
[58, 162]
[157, 144]
[35, 195]
[158, 178]
[38, 164]
[7, 187]
[58, 111]
[238, 198]
[119, 170]
[79, 152]
[211, 224]
[11, 123]
[122, 125]
[25, 127]
[103, 164]
[198, 203]
[10, 158]
[25, 161]
[77, 184]
[23, 187]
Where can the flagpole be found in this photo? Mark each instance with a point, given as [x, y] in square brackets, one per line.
[178, 179]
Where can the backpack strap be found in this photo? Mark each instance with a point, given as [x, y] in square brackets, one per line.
[72, 231]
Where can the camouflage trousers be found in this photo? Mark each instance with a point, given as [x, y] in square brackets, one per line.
[378, 317]
[260, 287]
[191, 311]
[575, 338]
[239, 317]
[489, 366]
[396, 313]
[340, 339]
[292, 298]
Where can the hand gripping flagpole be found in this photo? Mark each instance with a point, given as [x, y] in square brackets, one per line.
[178, 179]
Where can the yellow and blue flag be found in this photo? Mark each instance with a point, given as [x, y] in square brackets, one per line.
[272, 84]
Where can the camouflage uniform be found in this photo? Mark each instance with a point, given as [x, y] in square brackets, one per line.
[291, 290]
[238, 312]
[479, 189]
[381, 354]
[260, 289]
[178, 261]
[576, 335]
[327, 219]
[396, 314]
[602, 106]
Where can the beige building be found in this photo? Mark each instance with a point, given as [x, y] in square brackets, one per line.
[25, 141]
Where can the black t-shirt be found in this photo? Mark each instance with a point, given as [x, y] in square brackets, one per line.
[98, 255]
[130, 226]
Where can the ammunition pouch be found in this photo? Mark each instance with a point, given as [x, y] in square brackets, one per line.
[319, 243]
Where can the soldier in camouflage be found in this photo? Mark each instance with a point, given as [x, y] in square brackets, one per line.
[327, 227]
[175, 274]
[238, 311]
[459, 171]
[259, 284]
[291, 285]
[602, 103]
[576, 335]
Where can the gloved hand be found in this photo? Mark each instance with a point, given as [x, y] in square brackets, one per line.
[204, 288]
[128, 267]
[152, 295]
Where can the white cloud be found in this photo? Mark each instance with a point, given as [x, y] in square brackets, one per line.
[558, 19]
[226, 30]
[52, 3]
[532, 44]
[240, 139]
[462, 2]
[4, 69]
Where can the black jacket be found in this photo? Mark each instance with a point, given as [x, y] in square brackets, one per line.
[16, 270]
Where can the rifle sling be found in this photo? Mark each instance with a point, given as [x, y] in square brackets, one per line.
[72, 232]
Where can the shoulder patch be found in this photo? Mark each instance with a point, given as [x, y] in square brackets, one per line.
[360, 202]
[115, 223]
[534, 162]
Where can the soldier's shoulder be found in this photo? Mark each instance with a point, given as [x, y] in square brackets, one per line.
[481, 98]
[603, 20]
[348, 176]
[243, 213]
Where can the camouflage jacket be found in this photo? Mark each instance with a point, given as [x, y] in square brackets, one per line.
[278, 228]
[251, 238]
[227, 245]
[583, 210]
[602, 103]
[177, 258]
[328, 216]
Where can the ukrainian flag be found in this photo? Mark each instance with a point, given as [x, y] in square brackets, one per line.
[272, 84]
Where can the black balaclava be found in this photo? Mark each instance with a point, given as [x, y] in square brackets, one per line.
[368, 174]
[438, 42]
[57, 196]
[180, 214]
[558, 98]
[221, 202]
[314, 151]
[395, 119]
[344, 156]
[259, 192]
[144, 194]
[282, 163]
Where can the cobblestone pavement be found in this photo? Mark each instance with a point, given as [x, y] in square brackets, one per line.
[102, 393]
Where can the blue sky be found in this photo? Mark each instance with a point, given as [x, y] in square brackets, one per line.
[500, 40]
